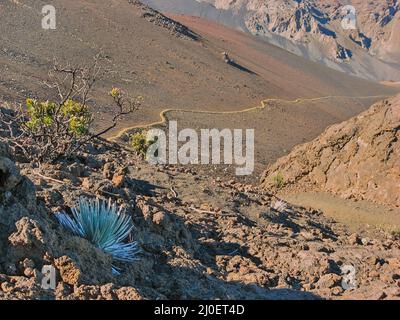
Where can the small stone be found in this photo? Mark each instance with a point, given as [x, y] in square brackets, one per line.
[9, 175]
[29, 272]
[161, 219]
[337, 290]
[28, 263]
[107, 170]
[118, 180]
[372, 260]
[209, 271]
[374, 274]
[365, 241]
[87, 184]
[77, 169]
[354, 239]
[53, 196]
[6, 287]
[128, 293]
[328, 281]
[69, 271]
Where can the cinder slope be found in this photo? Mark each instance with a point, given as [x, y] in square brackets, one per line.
[148, 54]
[299, 76]
[359, 158]
[313, 29]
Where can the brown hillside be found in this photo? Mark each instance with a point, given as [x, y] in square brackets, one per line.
[359, 158]
[149, 54]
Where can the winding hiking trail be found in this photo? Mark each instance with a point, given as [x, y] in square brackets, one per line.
[264, 104]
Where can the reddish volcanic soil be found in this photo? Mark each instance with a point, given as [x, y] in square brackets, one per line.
[145, 53]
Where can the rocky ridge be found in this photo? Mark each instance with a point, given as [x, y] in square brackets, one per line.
[321, 21]
[315, 29]
[359, 159]
[161, 20]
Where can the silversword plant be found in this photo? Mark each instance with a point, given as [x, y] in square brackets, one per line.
[105, 225]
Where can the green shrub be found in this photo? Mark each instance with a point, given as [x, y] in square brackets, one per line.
[72, 116]
[47, 131]
[140, 143]
[279, 180]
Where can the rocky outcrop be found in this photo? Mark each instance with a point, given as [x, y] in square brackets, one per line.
[30, 239]
[9, 175]
[363, 39]
[359, 158]
[321, 22]
[200, 238]
[153, 16]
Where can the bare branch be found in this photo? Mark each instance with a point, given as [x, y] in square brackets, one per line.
[48, 131]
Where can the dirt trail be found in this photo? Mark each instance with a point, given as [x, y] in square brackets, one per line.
[264, 104]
